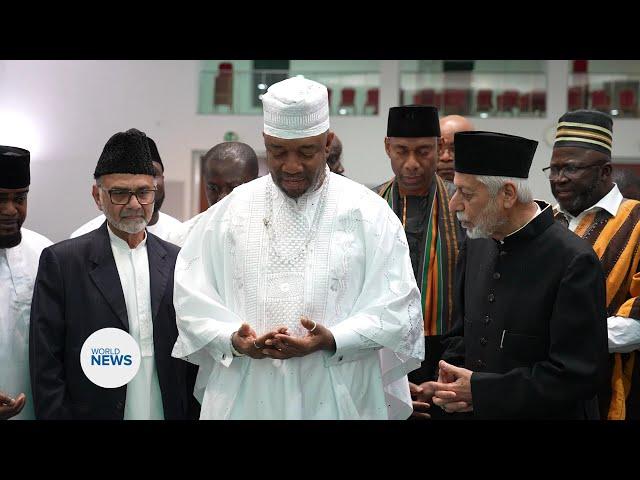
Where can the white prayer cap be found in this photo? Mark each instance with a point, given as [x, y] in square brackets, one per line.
[296, 108]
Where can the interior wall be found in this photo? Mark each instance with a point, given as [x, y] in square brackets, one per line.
[65, 111]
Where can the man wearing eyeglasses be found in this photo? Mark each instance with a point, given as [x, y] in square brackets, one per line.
[118, 276]
[161, 224]
[591, 205]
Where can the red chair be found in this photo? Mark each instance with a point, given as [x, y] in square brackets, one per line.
[437, 100]
[601, 101]
[347, 101]
[539, 101]
[426, 96]
[524, 102]
[484, 100]
[575, 98]
[223, 86]
[508, 101]
[627, 100]
[330, 95]
[373, 95]
[455, 102]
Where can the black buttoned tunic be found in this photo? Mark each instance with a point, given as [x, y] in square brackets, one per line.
[531, 323]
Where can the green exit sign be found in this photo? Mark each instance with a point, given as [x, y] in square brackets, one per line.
[231, 137]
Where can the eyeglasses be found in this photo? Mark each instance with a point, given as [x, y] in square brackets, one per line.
[123, 197]
[569, 171]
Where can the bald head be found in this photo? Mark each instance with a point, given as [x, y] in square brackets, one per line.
[449, 125]
[226, 166]
[333, 159]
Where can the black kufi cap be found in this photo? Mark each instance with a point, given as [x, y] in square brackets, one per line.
[413, 121]
[14, 167]
[493, 154]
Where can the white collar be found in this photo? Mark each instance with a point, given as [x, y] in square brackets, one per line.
[123, 245]
[610, 203]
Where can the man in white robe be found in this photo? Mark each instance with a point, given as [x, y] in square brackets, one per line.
[19, 255]
[295, 294]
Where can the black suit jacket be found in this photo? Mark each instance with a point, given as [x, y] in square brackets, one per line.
[78, 291]
[532, 323]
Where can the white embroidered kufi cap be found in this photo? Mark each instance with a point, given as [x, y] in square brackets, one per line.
[296, 108]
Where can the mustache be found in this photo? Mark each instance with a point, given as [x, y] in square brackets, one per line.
[132, 213]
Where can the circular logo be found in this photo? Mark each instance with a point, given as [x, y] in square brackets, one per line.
[110, 357]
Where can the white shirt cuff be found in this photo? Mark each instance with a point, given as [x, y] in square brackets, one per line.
[624, 334]
[350, 345]
[220, 347]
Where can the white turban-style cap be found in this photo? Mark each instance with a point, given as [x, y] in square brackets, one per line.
[296, 108]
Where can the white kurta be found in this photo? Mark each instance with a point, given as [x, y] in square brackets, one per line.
[144, 400]
[163, 227]
[352, 273]
[18, 269]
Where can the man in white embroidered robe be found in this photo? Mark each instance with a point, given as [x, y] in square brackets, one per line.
[295, 294]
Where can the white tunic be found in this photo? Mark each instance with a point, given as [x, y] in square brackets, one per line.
[265, 259]
[163, 227]
[179, 235]
[144, 400]
[18, 269]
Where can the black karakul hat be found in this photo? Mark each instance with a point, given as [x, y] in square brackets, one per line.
[14, 167]
[413, 121]
[126, 152]
[493, 154]
[588, 129]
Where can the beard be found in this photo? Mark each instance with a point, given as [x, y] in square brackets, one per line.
[487, 223]
[583, 200]
[10, 241]
[313, 183]
[128, 226]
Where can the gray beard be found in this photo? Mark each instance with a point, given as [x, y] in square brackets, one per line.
[128, 227]
[488, 221]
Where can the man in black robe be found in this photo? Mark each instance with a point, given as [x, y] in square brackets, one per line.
[531, 329]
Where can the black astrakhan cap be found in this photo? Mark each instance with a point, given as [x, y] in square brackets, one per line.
[126, 152]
